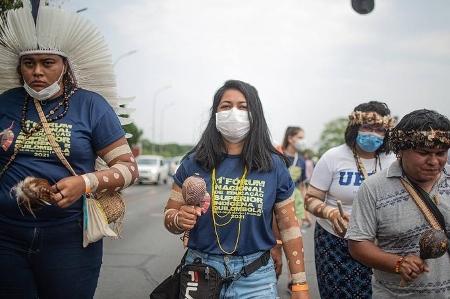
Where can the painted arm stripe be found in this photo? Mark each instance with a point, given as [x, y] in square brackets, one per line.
[284, 203]
[290, 234]
[126, 173]
[299, 277]
[317, 193]
[93, 181]
[311, 205]
[124, 149]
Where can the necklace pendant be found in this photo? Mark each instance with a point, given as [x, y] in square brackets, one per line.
[7, 138]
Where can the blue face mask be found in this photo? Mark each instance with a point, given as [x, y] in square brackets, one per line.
[369, 142]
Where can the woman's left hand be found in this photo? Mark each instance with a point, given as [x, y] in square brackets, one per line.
[300, 295]
[275, 252]
[68, 190]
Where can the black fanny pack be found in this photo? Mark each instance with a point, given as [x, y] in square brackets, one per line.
[198, 280]
[201, 281]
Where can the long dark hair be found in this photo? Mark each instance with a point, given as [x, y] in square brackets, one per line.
[290, 131]
[351, 132]
[258, 149]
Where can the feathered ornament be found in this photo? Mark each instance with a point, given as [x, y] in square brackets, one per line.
[33, 193]
[7, 137]
[63, 33]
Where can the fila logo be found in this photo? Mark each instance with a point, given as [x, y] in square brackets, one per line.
[191, 286]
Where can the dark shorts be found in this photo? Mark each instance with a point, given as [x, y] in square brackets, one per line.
[48, 262]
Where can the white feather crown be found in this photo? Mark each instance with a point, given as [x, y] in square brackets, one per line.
[58, 32]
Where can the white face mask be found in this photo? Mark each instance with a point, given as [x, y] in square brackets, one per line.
[45, 93]
[233, 124]
[300, 145]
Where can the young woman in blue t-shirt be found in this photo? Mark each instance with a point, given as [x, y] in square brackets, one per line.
[247, 180]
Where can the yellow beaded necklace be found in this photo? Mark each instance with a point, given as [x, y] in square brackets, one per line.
[237, 198]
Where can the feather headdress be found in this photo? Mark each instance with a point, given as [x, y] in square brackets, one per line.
[63, 33]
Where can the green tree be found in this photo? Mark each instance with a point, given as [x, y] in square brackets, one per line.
[13, 4]
[9, 4]
[332, 135]
[165, 150]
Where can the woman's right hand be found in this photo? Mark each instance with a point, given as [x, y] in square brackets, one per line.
[411, 267]
[340, 223]
[187, 216]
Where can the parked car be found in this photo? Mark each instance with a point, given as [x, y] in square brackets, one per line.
[152, 169]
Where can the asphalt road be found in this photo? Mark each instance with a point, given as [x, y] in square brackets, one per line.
[147, 253]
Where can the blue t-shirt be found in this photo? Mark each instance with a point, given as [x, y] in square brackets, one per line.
[261, 191]
[300, 164]
[89, 126]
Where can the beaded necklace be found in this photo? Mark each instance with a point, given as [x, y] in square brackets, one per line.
[362, 170]
[38, 126]
[237, 198]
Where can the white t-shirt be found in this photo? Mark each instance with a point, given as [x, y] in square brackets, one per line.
[336, 174]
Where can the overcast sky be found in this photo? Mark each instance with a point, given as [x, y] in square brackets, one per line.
[311, 60]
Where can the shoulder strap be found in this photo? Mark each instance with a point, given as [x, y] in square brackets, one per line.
[423, 207]
[431, 205]
[51, 138]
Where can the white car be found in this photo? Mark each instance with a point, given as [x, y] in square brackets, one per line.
[174, 164]
[152, 169]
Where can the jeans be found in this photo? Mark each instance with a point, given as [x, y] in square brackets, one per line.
[260, 284]
[48, 263]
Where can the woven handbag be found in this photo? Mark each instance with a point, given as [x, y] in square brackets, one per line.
[111, 202]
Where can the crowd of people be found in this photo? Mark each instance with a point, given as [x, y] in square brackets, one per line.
[381, 199]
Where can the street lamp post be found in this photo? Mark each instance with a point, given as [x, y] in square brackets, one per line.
[123, 56]
[155, 99]
[81, 10]
[114, 65]
[161, 124]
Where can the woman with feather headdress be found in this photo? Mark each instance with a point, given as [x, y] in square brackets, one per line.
[57, 75]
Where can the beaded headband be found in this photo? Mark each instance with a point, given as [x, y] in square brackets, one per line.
[403, 140]
[370, 118]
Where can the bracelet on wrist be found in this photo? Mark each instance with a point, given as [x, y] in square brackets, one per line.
[398, 264]
[87, 184]
[298, 287]
[175, 222]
